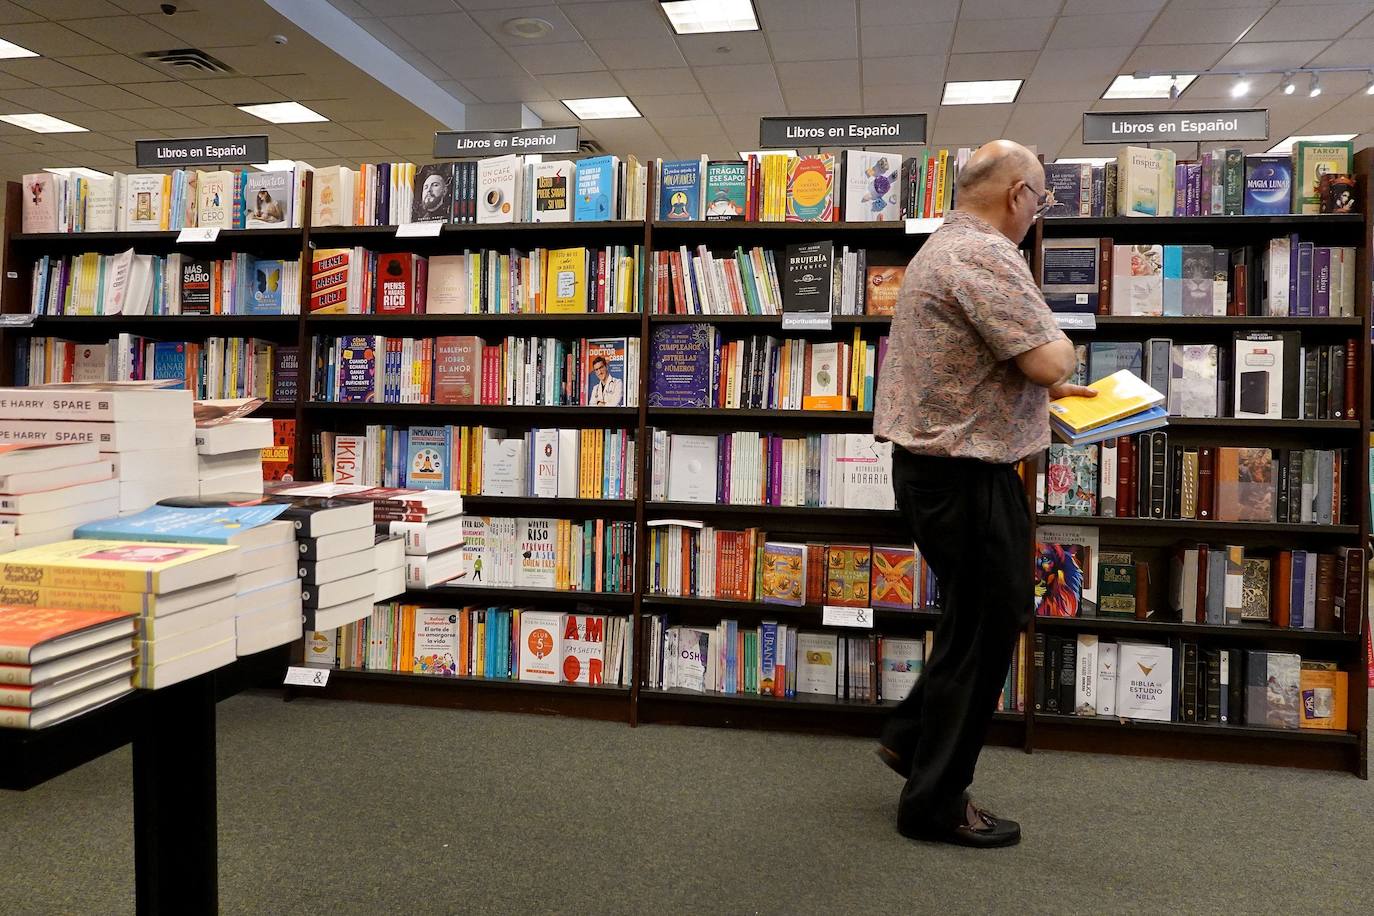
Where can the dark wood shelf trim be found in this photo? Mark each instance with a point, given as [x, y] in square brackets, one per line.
[687, 509]
[1121, 625]
[1310, 735]
[667, 413]
[1073, 225]
[467, 682]
[1188, 524]
[501, 594]
[575, 410]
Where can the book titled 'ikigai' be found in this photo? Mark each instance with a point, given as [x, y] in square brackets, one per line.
[118, 566]
[1120, 396]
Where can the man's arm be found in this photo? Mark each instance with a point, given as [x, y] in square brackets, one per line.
[1049, 364]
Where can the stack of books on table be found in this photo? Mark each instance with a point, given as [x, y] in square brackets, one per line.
[147, 433]
[1124, 405]
[267, 601]
[56, 664]
[229, 455]
[47, 490]
[336, 558]
[182, 596]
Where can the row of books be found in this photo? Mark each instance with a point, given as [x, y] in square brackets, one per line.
[480, 461]
[217, 367]
[1316, 178]
[781, 187]
[184, 198]
[543, 371]
[548, 553]
[356, 281]
[840, 470]
[144, 284]
[692, 559]
[1286, 277]
[586, 648]
[1260, 375]
[691, 365]
[1186, 681]
[1146, 476]
[500, 189]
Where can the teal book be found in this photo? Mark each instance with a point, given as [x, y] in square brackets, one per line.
[727, 189]
[264, 292]
[1173, 279]
[427, 457]
[679, 191]
[208, 525]
[595, 189]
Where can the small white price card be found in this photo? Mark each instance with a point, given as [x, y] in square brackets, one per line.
[306, 677]
[198, 235]
[924, 226]
[420, 230]
[17, 321]
[1076, 321]
[835, 616]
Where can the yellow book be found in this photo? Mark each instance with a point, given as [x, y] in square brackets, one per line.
[565, 282]
[1324, 695]
[855, 366]
[1119, 395]
[118, 566]
[940, 176]
[165, 216]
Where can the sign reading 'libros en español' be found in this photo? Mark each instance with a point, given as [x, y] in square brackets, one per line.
[841, 130]
[184, 151]
[1174, 126]
[457, 144]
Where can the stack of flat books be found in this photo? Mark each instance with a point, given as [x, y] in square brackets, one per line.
[229, 455]
[47, 490]
[56, 664]
[1124, 405]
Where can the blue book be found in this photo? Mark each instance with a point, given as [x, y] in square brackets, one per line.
[1268, 185]
[427, 450]
[680, 365]
[191, 525]
[1173, 279]
[595, 187]
[169, 361]
[679, 191]
[1154, 418]
[264, 288]
[1297, 590]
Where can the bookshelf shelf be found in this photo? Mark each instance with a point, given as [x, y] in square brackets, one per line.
[460, 683]
[667, 413]
[768, 320]
[1074, 225]
[372, 235]
[801, 701]
[1188, 524]
[891, 229]
[628, 318]
[62, 322]
[499, 594]
[225, 237]
[1309, 735]
[1255, 423]
[759, 608]
[1144, 628]
[583, 413]
[686, 510]
[1231, 322]
[489, 505]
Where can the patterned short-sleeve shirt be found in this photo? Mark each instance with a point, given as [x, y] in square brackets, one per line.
[948, 384]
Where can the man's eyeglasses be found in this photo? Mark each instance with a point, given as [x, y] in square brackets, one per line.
[1042, 200]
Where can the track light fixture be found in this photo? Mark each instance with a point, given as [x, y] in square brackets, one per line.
[1241, 87]
[1289, 85]
[1369, 90]
[1173, 89]
[1314, 88]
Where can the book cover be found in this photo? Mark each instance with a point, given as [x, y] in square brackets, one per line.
[583, 649]
[504, 467]
[881, 286]
[195, 286]
[1337, 193]
[1068, 274]
[143, 202]
[285, 373]
[207, 525]
[1071, 480]
[1145, 182]
[1195, 283]
[265, 292]
[279, 459]
[727, 189]
[818, 663]
[496, 178]
[1254, 604]
[892, 582]
[553, 187]
[396, 281]
[808, 269]
[1193, 380]
[1325, 694]
[537, 553]
[41, 203]
[1273, 689]
[871, 189]
[446, 286]
[902, 661]
[680, 365]
[595, 189]
[25, 629]
[436, 642]
[1145, 682]
[432, 193]
[456, 370]
[1116, 585]
[810, 189]
[604, 372]
[427, 458]
[540, 646]
[1311, 160]
[1138, 280]
[1268, 185]
[847, 575]
[692, 468]
[565, 283]
[357, 369]
[679, 191]
[1245, 484]
[216, 199]
[1069, 185]
[1065, 571]
[117, 566]
[784, 573]
[864, 472]
[269, 200]
[329, 269]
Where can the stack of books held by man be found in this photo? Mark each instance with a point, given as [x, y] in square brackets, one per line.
[59, 663]
[182, 596]
[147, 433]
[430, 521]
[229, 455]
[47, 490]
[267, 600]
[1124, 405]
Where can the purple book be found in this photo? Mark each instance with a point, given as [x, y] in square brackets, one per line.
[1297, 590]
[1193, 194]
[1205, 179]
[358, 369]
[680, 370]
[1304, 281]
[724, 453]
[1321, 282]
[775, 470]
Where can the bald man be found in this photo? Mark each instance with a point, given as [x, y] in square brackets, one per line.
[973, 359]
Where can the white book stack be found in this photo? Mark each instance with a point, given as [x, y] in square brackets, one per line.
[389, 559]
[336, 557]
[46, 491]
[267, 604]
[229, 455]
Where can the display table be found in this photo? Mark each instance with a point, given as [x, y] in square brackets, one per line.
[173, 736]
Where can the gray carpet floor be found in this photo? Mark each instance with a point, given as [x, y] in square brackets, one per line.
[335, 808]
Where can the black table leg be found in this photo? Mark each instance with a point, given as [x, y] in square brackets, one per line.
[175, 852]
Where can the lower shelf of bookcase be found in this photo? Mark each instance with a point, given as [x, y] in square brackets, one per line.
[1309, 735]
[1148, 628]
[761, 609]
[474, 594]
[1188, 524]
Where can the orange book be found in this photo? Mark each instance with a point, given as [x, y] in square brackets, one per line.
[29, 636]
[1283, 583]
[1324, 692]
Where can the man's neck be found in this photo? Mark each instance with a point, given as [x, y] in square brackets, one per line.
[998, 219]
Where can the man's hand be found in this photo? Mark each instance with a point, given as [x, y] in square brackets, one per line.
[1066, 390]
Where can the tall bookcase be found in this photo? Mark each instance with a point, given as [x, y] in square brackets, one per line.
[885, 243]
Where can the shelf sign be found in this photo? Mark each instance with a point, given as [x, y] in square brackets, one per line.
[843, 130]
[924, 225]
[299, 676]
[425, 230]
[457, 144]
[806, 321]
[183, 151]
[807, 272]
[24, 320]
[1076, 321]
[835, 616]
[198, 234]
[1175, 126]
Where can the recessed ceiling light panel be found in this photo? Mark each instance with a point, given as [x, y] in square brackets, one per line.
[9, 50]
[43, 124]
[981, 92]
[79, 172]
[1086, 160]
[1286, 145]
[1127, 86]
[696, 17]
[745, 154]
[275, 165]
[283, 113]
[616, 106]
[527, 27]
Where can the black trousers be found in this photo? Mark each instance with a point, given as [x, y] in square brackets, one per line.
[972, 525]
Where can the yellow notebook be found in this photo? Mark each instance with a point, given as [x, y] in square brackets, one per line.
[1119, 395]
[565, 285]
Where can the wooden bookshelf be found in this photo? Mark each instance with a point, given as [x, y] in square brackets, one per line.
[890, 242]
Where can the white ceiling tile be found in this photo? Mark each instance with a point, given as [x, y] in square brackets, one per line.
[626, 19]
[493, 20]
[893, 12]
[1298, 23]
[158, 118]
[998, 9]
[229, 116]
[635, 53]
[740, 48]
[417, 59]
[897, 99]
[112, 68]
[1039, 119]
[594, 85]
[506, 89]
[686, 125]
[815, 74]
[42, 71]
[438, 31]
[487, 63]
[58, 9]
[1179, 26]
[981, 119]
[457, 90]
[1096, 31]
[51, 39]
[356, 149]
[1001, 35]
[222, 24]
[736, 76]
[814, 44]
[128, 34]
[1219, 88]
[242, 90]
[1006, 66]
[1185, 58]
[1092, 72]
[1272, 54]
[46, 100]
[405, 7]
[269, 60]
[639, 82]
[806, 14]
[1364, 29]
[104, 96]
[907, 40]
[667, 106]
[102, 120]
[563, 57]
[1087, 7]
[897, 71]
[550, 112]
[1351, 52]
[826, 97]
[767, 100]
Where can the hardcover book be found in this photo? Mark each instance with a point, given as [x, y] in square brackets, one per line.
[1145, 682]
[456, 362]
[604, 372]
[432, 193]
[807, 275]
[398, 287]
[1268, 185]
[1069, 185]
[872, 192]
[1068, 274]
[595, 198]
[1138, 280]
[1065, 571]
[1273, 689]
[497, 180]
[847, 575]
[1193, 380]
[1254, 604]
[427, 458]
[679, 191]
[680, 365]
[1311, 160]
[1071, 480]
[1116, 585]
[1145, 182]
[269, 203]
[881, 287]
[727, 190]
[446, 286]
[892, 581]
[811, 189]
[1245, 484]
[553, 188]
[783, 579]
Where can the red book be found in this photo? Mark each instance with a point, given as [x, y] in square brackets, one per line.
[1353, 611]
[279, 460]
[1206, 487]
[29, 636]
[601, 280]
[1125, 477]
[1281, 588]
[1200, 612]
[396, 284]
[1351, 394]
[457, 361]
[1104, 276]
